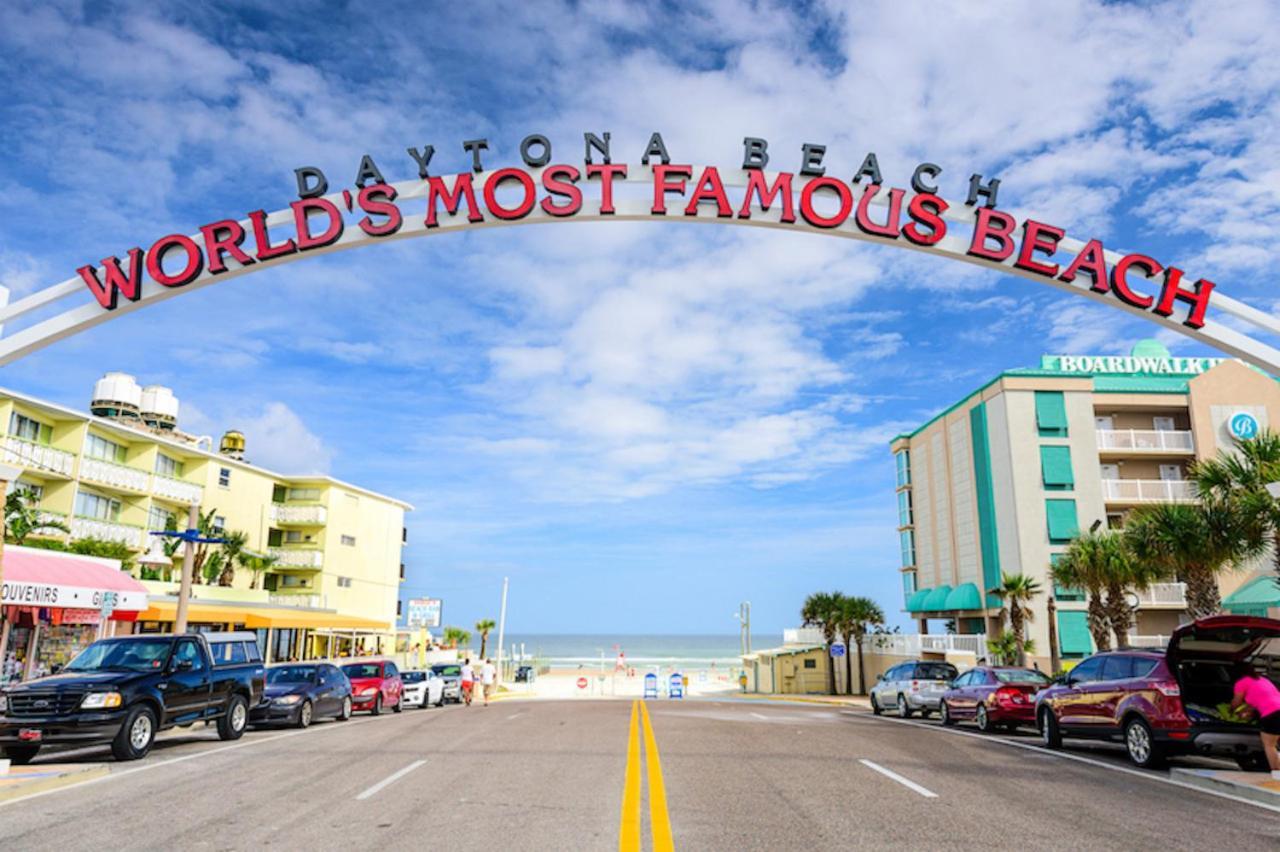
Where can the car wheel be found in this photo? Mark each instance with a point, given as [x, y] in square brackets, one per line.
[1253, 763]
[231, 724]
[21, 755]
[304, 715]
[345, 713]
[983, 720]
[875, 706]
[1141, 744]
[426, 700]
[377, 705]
[944, 713]
[1050, 734]
[399, 705]
[904, 712]
[136, 734]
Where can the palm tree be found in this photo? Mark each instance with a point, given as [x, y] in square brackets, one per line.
[22, 518]
[1006, 648]
[483, 626]
[1242, 476]
[1087, 565]
[257, 563]
[822, 610]
[857, 617]
[1196, 542]
[1017, 591]
[233, 542]
[456, 636]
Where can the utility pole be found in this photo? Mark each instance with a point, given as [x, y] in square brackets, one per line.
[502, 624]
[8, 474]
[746, 627]
[188, 564]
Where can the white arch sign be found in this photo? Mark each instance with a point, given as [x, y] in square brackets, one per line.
[860, 209]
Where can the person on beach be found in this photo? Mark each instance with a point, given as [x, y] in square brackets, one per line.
[468, 678]
[1260, 695]
[488, 677]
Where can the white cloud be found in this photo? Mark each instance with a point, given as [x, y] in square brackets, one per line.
[276, 438]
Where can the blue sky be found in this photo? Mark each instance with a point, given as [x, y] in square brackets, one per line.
[641, 424]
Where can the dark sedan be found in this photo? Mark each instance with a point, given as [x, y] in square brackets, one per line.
[994, 696]
[297, 693]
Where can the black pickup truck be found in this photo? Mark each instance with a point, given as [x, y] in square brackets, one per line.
[124, 690]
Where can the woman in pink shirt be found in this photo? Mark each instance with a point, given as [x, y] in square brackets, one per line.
[1261, 695]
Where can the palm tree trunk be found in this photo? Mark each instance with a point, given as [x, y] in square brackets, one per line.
[1118, 614]
[1015, 622]
[1203, 599]
[831, 669]
[848, 664]
[484, 640]
[1099, 624]
[862, 675]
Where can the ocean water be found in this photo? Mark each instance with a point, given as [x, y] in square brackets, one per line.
[568, 650]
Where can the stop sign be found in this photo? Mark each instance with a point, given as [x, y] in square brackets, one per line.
[582, 683]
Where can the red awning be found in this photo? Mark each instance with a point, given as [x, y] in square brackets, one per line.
[46, 578]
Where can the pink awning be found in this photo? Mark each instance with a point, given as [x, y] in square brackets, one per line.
[46, 578]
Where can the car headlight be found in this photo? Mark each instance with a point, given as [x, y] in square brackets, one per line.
[100, 701]
[369, 690]
[288, 699]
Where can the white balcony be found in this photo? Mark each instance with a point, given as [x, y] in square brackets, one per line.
[1145, 441]
[915, 644]
[802, 636]
[1147, 491]
[307, 601]
[314, 515]
[286, 558]
[1173, 595]
[177, 490]
[113, 475]
[36, 456]
[94, 528]
[1138, 641]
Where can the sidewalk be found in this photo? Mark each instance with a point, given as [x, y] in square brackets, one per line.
[24, 780]
[1253, 786]
[859, 701]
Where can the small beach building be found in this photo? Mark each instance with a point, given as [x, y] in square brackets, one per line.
[789, 670]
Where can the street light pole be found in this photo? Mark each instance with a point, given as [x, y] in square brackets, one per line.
[8, 473]
[188, 564]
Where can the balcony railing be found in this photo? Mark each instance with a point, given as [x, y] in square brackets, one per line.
[286, 558]
[308, 601]
[802, 636]
[177, 490]
[1146, 440]
[1137, 641]
[281, 513]
[1147, 491]
[914, 644]
[1163, 594]
[114, 475]
[16, 451]
[95, 528]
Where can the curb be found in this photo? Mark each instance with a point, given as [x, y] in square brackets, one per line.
[804, 699]
[1253, 786]
[27, 780]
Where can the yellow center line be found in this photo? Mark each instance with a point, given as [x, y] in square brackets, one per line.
[659, 819]
[629, 827]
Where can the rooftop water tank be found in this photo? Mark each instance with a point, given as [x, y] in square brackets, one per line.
[232, 445]
[159, 407]
[116, 395]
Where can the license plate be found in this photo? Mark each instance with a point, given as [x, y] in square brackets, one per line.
[30, 735]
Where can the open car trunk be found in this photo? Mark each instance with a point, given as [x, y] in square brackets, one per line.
[1204, 655]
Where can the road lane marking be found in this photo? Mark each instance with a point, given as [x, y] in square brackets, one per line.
[125, 773]
[905, 782]
[514, 715]
[761, 717]
[390, 779]
[659, 818]
[629, 824]
[1062, 755]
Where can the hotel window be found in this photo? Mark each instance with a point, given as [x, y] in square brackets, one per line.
[908, 584]
[160, 519]
[97, 507]
[224, 477]
[903, 460]
[907, 544]
[304, 494]
[904, 508]
[219, 523]
[1051, 414]
[349, 540]
[101, 448]
[27, 429]
[293, 537]
[1062, 522]
[1055, 469]
[344, 582]
[166, 466]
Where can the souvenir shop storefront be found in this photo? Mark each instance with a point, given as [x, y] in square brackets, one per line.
[54, 604]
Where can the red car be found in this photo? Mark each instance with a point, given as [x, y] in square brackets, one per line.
[375, 686]
[1161, 704]
[993, 696]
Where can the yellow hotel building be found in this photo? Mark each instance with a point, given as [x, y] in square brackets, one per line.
[126, 470]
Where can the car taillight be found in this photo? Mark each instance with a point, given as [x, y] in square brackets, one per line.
[1008, 695]
[915, 686]
[1169, 688]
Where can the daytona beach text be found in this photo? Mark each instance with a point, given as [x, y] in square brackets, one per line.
[809, 196]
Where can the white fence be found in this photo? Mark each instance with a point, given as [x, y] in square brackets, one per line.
[176, 490]
[116, 475]
[899, 644]
[1139, 641]
[298, 558]
[1148, 490]
[802, 636]
[94, 528]
[282, 514]
[38, 456]
[1151, 440]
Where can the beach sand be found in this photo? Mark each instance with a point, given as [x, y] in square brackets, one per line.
[563, 683]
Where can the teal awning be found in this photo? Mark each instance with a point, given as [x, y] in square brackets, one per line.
[915, 603]
[1255, 597]
[1051, 411]
[937, 599]
[1055, 466]
[964, 596]
[1061, 515]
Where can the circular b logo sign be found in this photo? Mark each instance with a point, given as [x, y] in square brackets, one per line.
[1243, 426]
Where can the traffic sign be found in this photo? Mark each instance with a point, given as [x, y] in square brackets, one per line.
[837, 649]
[582, 683]
[108, 604]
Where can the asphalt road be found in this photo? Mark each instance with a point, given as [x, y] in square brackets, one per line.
[554, 775]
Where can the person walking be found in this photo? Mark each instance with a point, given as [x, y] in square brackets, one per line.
[1260, 695]
[468, 678]
[488, 677]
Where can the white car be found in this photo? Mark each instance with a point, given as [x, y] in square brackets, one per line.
[422, 689]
